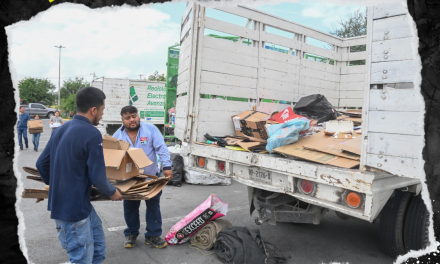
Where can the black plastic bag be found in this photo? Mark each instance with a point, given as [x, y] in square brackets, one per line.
[177, 169]
[241, 245]
[315, 106]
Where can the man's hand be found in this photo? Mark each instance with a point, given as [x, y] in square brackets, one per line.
[168, 174]
[117, 196]
[50, 122]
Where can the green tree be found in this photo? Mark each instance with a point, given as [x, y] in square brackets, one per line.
[33, 90]
[353, 25]
[157, 77]
[69, 104]
[72, 86]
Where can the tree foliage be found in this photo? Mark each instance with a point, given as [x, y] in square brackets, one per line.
[353, 25]
[157, 77]
[33, 90]
[69, 104]
[72, 86]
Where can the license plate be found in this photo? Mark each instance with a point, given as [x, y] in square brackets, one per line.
[257, 174]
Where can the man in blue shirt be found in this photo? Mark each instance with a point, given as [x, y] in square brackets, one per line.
[73, 161]
[22, 126]
[147, 137]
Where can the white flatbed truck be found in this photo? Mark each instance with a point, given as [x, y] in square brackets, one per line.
[390, 177]
[147, 96]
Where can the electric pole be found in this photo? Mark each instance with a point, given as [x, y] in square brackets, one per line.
[59, 75]
[140, 76]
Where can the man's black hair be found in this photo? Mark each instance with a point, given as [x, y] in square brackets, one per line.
[21, 107]
[57, 111]
[128, 109]
[89, 97]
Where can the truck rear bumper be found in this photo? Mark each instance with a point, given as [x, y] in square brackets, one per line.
[330, 185]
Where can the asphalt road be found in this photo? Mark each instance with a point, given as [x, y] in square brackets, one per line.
[334, 240]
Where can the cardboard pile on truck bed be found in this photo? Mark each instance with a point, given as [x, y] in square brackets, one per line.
[337, 144]
[124, 171]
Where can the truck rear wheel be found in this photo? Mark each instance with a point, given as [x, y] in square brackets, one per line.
[415, 231]
[391, 223]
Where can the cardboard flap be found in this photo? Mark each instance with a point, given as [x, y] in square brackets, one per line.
[139, 157]
[113, 157]
[124, 186]
[109, 142]
[296, 149]
[249, 145]
[35, 124]
[353, 146]
[123, 145]
[330, 145]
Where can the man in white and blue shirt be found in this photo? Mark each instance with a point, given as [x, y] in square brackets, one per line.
[147, 137]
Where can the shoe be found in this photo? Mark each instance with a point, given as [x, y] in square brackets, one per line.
[129, 241]
[36, 150]
[27, 146]
[156, 242]
[21, 148]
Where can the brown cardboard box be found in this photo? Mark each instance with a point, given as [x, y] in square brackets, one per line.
[251, 124]
[121, 161]
[35, 126]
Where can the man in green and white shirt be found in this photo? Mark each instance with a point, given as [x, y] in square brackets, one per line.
[56, 119]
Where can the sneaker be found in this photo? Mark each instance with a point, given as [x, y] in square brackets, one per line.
[129, 241]
[27, 146]
[156, 242]
[36, 150]
[21, 148]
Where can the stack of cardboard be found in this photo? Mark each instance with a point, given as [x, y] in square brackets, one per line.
[344, 153]
[35, 126]
[124, 171]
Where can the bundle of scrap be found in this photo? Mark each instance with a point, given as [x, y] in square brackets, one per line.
[240, 143]
[351, 115]
[320, 148]
[141, 187]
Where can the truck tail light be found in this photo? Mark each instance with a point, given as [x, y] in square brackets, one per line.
[201, 162]
[353, 200]
[221, 166]
[306, 187]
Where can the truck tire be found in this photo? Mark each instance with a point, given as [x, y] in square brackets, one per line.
[50, 114]
[415, 231]
[391, 223]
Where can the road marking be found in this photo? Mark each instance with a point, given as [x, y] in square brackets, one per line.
[175, 219]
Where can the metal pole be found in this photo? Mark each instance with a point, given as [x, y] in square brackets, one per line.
[59, 74]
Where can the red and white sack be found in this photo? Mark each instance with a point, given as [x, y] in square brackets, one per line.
[209, 210]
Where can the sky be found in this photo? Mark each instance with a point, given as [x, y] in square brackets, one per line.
[125, 42]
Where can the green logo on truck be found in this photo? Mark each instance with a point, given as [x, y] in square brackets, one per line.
[133, 96]
[156, 88]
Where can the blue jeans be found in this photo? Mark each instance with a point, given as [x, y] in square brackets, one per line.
[36, 140]
[22, 131]
[152, 215]
[84, 241]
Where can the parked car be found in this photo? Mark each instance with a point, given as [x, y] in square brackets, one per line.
[41, 110]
